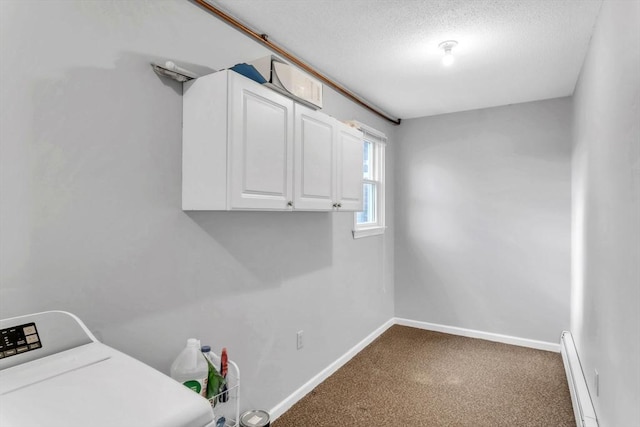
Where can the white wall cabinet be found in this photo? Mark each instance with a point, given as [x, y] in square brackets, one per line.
[327, 164]
[349, 170]
[237, 145]
[260, 147]
[246, 147]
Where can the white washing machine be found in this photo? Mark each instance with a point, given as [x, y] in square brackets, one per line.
[53, 372]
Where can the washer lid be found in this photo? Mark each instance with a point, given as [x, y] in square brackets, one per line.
[98, 386]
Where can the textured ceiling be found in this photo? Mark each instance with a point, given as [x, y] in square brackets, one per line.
[386, 51]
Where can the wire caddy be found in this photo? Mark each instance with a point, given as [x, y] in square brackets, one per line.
[229, 408]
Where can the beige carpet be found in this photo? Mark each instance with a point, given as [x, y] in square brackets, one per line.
[410, 377]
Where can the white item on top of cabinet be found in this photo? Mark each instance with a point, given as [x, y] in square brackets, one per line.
[328, 156]
[240, 151]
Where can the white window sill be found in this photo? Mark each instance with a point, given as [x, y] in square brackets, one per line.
[366, 232]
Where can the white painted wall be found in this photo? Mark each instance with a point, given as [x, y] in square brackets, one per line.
[605, 309]
[90, 215]
[483, 219]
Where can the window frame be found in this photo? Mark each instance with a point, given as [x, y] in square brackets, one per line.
[379, 142]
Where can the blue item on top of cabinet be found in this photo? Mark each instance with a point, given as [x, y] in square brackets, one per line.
[249, 71]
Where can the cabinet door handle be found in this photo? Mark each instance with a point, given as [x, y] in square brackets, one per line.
[339, 205]
[290, 204]
[335, 205]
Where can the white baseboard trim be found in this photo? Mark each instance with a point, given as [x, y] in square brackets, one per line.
[583, 409]
[489, 336]
[287, 403]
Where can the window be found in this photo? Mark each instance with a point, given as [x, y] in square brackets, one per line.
[370, 221]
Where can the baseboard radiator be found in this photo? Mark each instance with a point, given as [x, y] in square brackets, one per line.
[582, 406]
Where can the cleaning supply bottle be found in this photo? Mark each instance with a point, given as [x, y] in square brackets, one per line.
[216, 381]
[190, 368]
[224, 368]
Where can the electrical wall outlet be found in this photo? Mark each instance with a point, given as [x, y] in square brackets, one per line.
[300, 344]
[596, 382]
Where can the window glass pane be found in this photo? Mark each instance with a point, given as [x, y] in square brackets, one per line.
[368, 215]
[368, 160]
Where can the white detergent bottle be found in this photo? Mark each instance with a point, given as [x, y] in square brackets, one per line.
[190, 368]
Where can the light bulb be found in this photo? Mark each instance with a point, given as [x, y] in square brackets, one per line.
[448, 46]
[448, 58]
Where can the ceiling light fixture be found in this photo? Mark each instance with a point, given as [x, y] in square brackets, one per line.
[447, 46]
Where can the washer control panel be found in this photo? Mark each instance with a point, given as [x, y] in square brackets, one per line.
[19, 339]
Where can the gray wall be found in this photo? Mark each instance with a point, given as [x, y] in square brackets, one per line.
[90, 217]
[605, 312]
[90, 213]
[483, 219]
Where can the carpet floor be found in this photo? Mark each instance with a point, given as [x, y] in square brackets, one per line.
[411, 377]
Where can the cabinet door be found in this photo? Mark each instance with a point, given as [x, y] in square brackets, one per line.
[314, 174]
[349, 176]
[260, 146]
